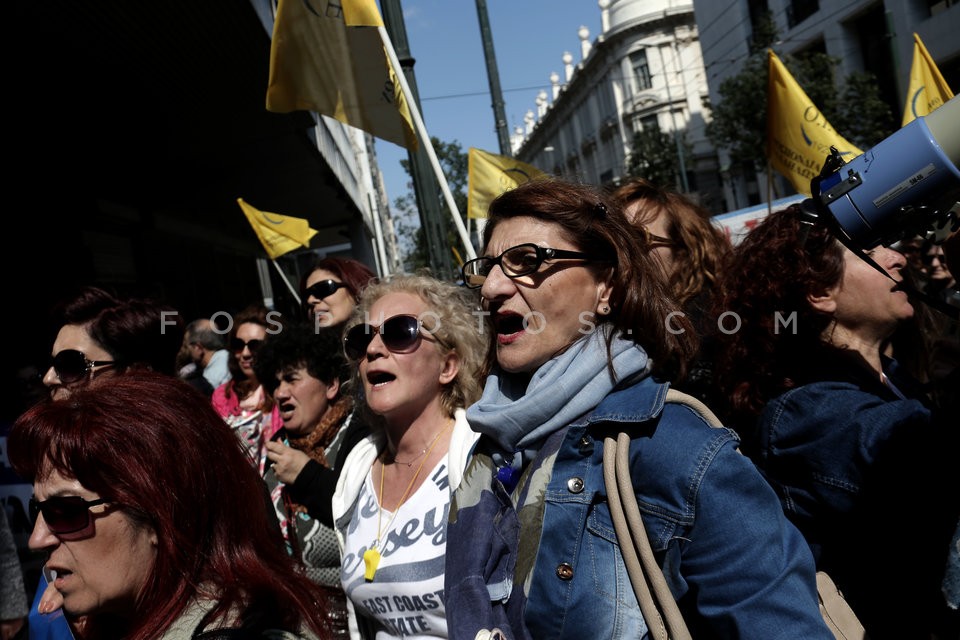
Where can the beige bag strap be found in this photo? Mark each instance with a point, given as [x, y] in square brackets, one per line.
[659, 609]
[838, 615]
[657, 604]
[679, 397]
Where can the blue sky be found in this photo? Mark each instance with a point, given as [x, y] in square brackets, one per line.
[529, 38]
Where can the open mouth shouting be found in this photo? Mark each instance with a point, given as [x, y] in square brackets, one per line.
[379, 379]
[287, 411]
[509, 326]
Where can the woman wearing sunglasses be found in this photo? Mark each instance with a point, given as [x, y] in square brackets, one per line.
[418, 352]
[146, 538]
[582, 351]
[331, 289]
[242, 401]
[103, 335]
[690, 251]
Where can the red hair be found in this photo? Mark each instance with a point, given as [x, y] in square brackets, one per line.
[153, 445]
[779, 263]
[352, 273]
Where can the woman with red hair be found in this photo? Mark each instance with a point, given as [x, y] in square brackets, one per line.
[142, 503]
[331, 290]
[845, 438]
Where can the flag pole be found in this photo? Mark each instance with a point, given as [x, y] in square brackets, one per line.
[769, 188]
[425, 140]
[283, 276]
[378, 238]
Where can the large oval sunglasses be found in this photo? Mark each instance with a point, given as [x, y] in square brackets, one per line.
[72, 365]
[399, 334]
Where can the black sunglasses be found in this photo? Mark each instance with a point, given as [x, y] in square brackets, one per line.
[399, 334]
[517, 261]
[322, 289]
[71, 365]
[237, 345]
[64, 514]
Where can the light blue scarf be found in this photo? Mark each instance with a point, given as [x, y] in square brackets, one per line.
[519, 417]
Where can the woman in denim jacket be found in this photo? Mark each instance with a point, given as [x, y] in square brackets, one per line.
[582, 350]
[841, 432]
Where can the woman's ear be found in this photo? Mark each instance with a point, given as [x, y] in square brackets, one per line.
[333, 389]
[823, 300]
[450, 369]
[604, 291]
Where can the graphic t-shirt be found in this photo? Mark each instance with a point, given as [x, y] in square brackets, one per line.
[406, 594]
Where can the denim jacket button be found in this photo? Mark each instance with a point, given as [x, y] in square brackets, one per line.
[575, 485]
[564, 571]
[585, 445]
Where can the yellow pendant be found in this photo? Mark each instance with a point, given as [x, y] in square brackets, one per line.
[371, 560]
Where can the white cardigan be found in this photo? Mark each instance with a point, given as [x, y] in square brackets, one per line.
[361, 459]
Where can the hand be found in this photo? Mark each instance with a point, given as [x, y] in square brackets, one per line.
[287, 462]
[51, 600]
[10, 628]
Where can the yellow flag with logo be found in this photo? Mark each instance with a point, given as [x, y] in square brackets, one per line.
[489, 175]
[798, 136]
[278, 234]
[928, 90]
[328, 57]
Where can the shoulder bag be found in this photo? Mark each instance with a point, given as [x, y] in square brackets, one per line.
[659, 609]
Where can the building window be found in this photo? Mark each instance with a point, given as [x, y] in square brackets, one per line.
[641, 70]
[800, 10]
[938, 6]
[649, 123]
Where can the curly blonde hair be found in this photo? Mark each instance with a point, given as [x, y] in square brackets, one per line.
[451, 320]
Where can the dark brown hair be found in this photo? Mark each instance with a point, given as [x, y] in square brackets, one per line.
[240, 383]
[596, 225]
[137, 333]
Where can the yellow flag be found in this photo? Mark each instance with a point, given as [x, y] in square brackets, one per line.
[798, 136]
[928, 90]
[489, 175]
[328, 57]
[278, 234]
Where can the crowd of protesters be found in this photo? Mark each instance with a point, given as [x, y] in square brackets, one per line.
[417, 458]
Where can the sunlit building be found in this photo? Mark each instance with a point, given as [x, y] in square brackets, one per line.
[643, 71]
[871, 35]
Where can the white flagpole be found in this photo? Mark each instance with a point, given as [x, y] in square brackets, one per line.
[425, 141]
[378, 241]
[283, 276]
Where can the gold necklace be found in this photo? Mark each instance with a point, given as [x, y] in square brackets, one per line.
[371, 557]
[409, 462]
